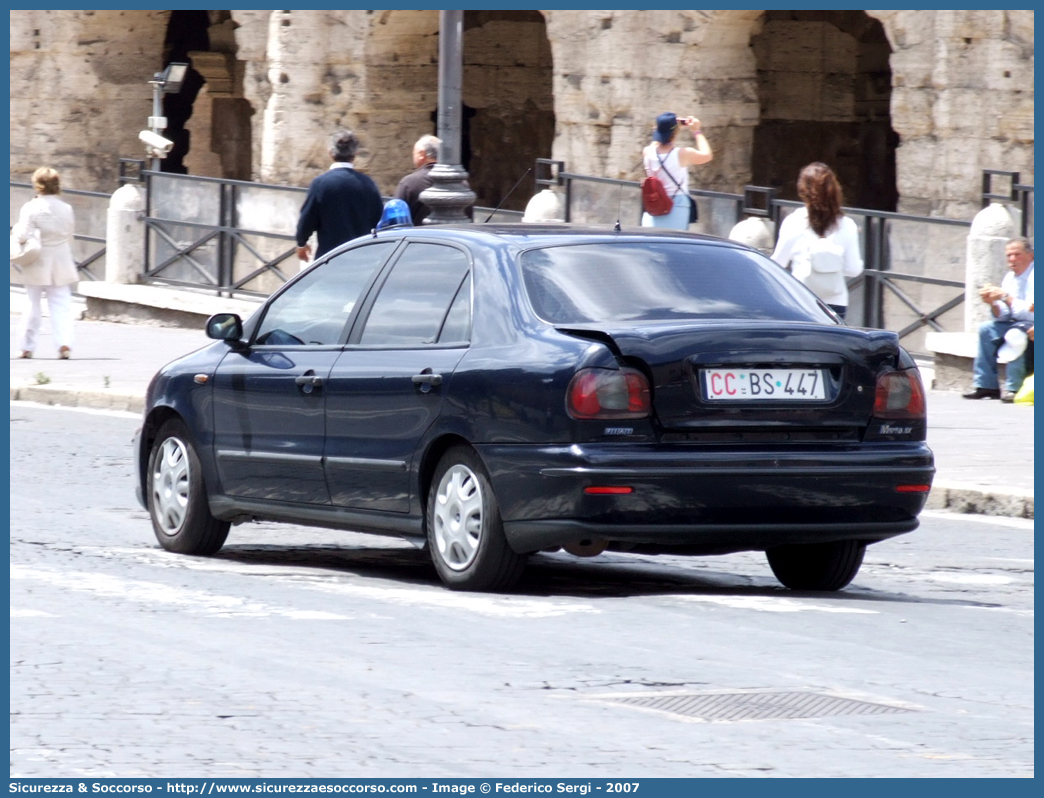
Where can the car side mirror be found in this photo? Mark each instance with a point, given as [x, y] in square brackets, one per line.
[225, 327]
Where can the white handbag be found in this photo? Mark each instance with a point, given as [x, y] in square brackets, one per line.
[25, 253]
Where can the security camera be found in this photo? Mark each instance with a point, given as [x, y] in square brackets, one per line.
[156, 143]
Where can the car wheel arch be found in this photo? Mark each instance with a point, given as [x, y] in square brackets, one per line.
[157, 417]
[150, 428]
[429, 462]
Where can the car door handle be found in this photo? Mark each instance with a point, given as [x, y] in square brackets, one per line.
[308, 381]
[427, 379]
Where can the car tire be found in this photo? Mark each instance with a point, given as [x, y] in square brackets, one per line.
[177, 496]
[464, 527]
[817, 566]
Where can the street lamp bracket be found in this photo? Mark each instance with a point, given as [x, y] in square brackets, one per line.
[171, 79]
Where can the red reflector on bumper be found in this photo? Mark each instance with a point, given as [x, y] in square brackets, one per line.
[611, 490]
[913, 488]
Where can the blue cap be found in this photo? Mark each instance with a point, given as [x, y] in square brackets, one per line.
[665, 126]
[396, 212]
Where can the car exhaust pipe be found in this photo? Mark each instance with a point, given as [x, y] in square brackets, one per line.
[586, 548]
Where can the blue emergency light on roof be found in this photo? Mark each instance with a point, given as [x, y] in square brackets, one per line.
[396, 213]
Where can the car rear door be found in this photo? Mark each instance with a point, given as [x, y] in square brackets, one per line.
[387, 387]
[270, 397]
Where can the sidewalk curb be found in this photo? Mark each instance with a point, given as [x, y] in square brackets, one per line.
[957, 497]
[169, 307]
[74, 397]
[980, 500]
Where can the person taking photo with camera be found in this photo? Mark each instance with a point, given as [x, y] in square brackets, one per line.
[664, 159]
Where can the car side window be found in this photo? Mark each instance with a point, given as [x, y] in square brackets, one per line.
[314, 310]
[414, 302]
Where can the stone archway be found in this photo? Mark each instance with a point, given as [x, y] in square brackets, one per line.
[186, 32]
[508, 84]
[209, 119]
[824, 87]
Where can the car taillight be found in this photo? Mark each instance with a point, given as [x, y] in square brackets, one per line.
[899, 394]
[606, 393]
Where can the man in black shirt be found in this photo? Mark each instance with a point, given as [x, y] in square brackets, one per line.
[425, 156]
[341, 204]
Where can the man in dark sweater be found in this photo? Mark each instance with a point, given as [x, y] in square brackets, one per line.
[425, 156]
[341, 204]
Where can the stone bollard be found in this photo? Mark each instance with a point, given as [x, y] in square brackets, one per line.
[991, 229]
[755, 231]
[544, 208]
[125, 235]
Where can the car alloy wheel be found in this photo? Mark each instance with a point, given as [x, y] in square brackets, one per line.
[457, 517]
[177, 495]
[465, 532]
[171, 477]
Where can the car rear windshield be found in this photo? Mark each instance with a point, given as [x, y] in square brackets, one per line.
[652, 281]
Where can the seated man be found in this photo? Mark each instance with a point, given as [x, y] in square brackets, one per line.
[1012, 306]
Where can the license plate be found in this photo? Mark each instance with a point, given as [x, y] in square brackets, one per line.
[773, 384]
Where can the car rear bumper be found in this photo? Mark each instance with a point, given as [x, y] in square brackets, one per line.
[704, 499]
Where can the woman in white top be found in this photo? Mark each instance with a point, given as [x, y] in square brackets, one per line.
[53, 273]
[818, 241]
[671, 163]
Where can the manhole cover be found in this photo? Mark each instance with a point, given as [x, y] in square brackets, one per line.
[755, 705]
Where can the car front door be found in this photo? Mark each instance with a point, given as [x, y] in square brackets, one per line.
[270, 397]
[387, 387]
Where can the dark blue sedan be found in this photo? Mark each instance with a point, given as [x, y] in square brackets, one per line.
[499, 390]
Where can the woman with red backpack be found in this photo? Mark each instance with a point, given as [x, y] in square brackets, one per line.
[669, 164]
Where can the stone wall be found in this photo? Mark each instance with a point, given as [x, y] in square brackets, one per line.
[962, 101]
[77, 77]
[579, 86]
[961, 93]
[383, 83]
[615, 71]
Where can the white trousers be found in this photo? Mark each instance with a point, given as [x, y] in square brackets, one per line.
[59, 307]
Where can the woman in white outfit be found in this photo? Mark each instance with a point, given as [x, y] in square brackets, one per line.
[54, 273]
[818, 242]
[670, 163]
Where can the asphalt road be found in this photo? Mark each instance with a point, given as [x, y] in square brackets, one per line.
[299, 652]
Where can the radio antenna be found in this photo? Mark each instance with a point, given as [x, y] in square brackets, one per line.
[619, 205]
[502, 201]
[619, 198]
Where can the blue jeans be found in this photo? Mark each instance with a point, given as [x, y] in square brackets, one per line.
[991, 336]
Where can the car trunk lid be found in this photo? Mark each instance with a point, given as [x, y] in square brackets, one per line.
[682, 359]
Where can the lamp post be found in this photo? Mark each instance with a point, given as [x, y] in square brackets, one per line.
[169, 81]
[450, 195]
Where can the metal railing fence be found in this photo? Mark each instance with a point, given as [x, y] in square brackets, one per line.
[91, 209]
[237, 237]
[1018, 194]
[230, 236]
